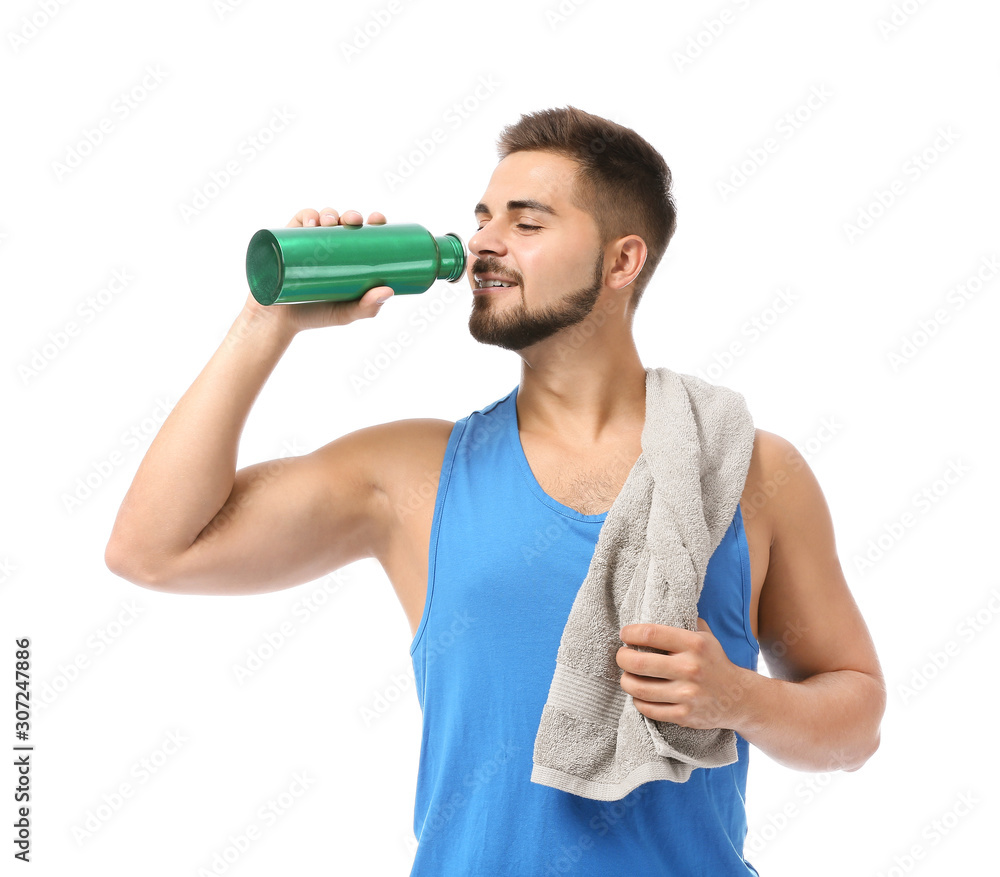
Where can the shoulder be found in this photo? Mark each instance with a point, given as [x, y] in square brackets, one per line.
[406, 453]
[781, 488]
[775, 457]
[383, 457]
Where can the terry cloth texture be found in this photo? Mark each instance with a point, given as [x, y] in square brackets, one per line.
[648, 567]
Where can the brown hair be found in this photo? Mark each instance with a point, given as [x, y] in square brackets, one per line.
[623, 182]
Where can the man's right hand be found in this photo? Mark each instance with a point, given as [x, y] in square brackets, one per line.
[296, 317]
[191, 523]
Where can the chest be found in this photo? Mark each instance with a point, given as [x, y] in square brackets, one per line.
[588, 483]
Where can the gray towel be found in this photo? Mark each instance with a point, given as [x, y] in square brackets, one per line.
[648, 566]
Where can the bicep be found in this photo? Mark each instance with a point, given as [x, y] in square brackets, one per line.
[286, 522]
[808, 620]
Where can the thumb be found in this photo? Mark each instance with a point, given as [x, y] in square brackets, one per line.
[375, 298]
[703, 626]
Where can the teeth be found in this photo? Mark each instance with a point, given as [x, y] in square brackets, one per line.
[483, 284]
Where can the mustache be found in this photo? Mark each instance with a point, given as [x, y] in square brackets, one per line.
[494, 266]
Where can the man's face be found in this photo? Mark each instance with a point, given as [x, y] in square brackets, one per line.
[532, 236]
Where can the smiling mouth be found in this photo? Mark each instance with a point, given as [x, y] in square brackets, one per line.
[492, 283]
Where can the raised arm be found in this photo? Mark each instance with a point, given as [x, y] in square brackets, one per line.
[191, 523]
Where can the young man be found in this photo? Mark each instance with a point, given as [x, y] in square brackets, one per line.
[575, 218]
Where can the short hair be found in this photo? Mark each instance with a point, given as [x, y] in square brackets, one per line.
[622, 181]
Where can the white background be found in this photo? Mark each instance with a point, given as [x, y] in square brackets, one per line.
[79, 414]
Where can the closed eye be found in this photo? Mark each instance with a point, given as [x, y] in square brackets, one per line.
[523, 225]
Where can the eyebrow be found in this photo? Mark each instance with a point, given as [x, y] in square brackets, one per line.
[524, 204]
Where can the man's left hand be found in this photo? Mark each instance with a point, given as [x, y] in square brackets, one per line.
[694, 685]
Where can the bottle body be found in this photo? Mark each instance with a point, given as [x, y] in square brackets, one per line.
[342, 262]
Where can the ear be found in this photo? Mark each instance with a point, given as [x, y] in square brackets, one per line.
[629, 255]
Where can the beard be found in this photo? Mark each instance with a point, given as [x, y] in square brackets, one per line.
[517, 327]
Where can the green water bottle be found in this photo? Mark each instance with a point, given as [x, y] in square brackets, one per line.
[342, 262]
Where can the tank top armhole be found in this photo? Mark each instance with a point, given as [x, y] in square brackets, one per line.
[746, 579]
[445, 478]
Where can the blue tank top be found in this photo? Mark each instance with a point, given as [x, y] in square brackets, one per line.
[506, 561]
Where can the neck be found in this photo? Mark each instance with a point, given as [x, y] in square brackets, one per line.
[582, 386]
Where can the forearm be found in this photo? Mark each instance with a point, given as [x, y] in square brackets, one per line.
[826, 722]
[189, 470]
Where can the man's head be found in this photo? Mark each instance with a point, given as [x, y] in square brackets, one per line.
[577, 204]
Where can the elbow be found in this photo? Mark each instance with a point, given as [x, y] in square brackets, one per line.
[869, 743]
[129, 564]
[864, 753]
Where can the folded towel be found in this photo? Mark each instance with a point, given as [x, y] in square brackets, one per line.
[648, 566]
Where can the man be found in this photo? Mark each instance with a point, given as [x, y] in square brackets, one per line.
[574, 220]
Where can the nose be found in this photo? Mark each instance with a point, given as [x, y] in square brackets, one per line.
[487, 241]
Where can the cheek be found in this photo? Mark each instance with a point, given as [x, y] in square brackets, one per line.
[548, 266]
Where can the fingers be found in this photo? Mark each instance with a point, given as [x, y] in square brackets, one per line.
[660, 636]
[308, 218]
[302, 218]
[659, 691]
[657, 665]
[371, 298]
